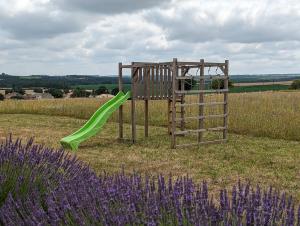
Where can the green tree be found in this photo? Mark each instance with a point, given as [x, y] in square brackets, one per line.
[18, 89]
[80, 92]
[56, 93]
[114, 91]
[188, 84]
[219, 84]
[101, 90]
[38, 90]
[7, 91]
[1, 97]
[295, 84]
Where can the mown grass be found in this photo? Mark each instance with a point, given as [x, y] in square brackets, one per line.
[267, 114]
[266, 161]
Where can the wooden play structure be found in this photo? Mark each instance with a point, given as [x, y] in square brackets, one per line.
[174, 81]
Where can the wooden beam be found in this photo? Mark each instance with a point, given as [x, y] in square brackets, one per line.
[201, 101]
[202, 143]
[201, 117]
[174, 86]
[201, 91]
[205, 104]
[147, 95]
[121, 107]
[133, 111]
[200, 130]
[225, 123]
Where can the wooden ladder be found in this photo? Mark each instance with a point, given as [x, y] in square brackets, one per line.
[179, 99]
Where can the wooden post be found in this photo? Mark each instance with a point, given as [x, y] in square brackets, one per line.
[133, 113]
[169, 116]
[146, 97]
[225, 124]
[121, 107]
[174, 88]
[182, 109]
[201, 101]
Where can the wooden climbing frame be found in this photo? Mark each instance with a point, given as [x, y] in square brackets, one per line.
[167, 81]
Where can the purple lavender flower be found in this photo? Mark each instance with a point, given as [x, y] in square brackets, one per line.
[41, 186]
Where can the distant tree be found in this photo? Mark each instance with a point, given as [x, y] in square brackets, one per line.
[38, 90]
[101, 90]
[1, 97]
[188, 84]
[18, 89]
[295, 84]
[114, 91]
[219, 84]
[80, 92]
[7, 91]
[66, 91]
[56, 93]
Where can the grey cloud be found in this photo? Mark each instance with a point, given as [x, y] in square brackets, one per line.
[108, 6]
[39, 25]
[186, 26]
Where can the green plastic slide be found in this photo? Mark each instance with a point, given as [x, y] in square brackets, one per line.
[95, 123]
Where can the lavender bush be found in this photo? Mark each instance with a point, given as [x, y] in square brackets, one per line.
[40, 186]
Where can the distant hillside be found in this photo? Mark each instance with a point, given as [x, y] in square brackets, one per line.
[264, 78]
[8, 81]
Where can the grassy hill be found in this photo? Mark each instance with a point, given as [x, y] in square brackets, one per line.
[8, 81]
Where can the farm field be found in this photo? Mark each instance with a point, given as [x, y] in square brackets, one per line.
[268, 114]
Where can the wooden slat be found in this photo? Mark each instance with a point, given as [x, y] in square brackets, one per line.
[200, 130]
[175, 73]
[202, 117]
[165, 82]
[160, 82]
[207, 64]
[202, 91]
[133, 112]
[121, 107]
[126, 66]
[184, 77]
[152, 82]
[203, 142]
[157, 86]
[226, 101]
[203, 104]
[206, 77]
[147, 95]
[201, 101]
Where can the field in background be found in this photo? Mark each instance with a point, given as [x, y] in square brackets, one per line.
[238, 88]
[258, 88]
[268, 114]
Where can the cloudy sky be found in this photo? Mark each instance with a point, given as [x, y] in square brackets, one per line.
[92, 36]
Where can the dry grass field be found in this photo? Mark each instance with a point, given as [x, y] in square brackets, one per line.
[263, 146]
[267, 114]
